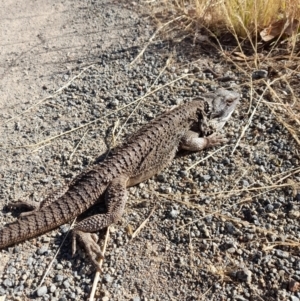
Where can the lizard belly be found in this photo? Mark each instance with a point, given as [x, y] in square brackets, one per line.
[156, 162]
[143, 176]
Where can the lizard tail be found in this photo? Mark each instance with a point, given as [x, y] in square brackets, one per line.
[71, 204]
[38, 222]
[23, 229]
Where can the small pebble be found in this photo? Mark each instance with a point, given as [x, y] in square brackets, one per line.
[107, 278]
[42, 250]
[59, 266]
[42, 291]
[239, 298]
[46, 239]
[260, 74]
[244, 275]
[269, 207]
[294, 214]
[205, 178]
[66, 284]
[59, 278]
[8, 283]
[174, 213]
[282, 254]
[52, 288]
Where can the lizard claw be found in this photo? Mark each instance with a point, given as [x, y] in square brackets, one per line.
[89, 242]
[215, 139]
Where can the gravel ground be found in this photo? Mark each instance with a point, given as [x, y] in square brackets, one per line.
[215, 233]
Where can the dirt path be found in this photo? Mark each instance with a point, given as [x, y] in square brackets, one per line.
[42, 42]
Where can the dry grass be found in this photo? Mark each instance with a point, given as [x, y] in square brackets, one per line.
[247, 27]
[241, 17]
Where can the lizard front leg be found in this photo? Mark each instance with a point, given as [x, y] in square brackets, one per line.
[116, 196]
[192, 142]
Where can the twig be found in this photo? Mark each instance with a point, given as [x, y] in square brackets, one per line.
[205, 293]
[114, 137]
[97, 275]
[288, 175]
[140, 101]
[113, 140]
[101, 118]
[152, 37]
[143, 224]
[249, 121]
[284, 172]
[37, 149]
[268, 86]
[50, 96]
[210, 155]
[208, 212]
[58, 250]
[283, 243]
[253, 189]
[285, 124]
[77, 145]
[230, 192]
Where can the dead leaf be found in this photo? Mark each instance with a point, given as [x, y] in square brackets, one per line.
[192, 12]
[282, 27]
[240, 55]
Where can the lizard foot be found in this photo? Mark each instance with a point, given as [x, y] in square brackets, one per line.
[89, 242]
[29, 207]
[215, 139]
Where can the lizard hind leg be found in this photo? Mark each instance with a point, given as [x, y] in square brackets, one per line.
[116, 196]
[32, 206]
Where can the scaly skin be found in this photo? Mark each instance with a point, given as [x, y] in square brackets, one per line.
[146, 153]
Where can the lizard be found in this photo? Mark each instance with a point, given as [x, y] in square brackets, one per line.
[191, 126]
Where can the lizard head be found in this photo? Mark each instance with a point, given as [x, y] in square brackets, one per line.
[219, 106]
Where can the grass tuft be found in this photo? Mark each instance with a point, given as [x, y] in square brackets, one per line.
[241, 17]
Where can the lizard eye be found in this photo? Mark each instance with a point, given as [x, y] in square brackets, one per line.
[229, 101]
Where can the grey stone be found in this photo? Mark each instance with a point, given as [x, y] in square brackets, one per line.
[42, 250]
[59, 278]
[174, 213]
[269, 207]
[282, 254]
[42, 291]
[205, 178]
[257, 74]
[244, 275]
[59, 266]
[66, 283]
[8, 282]
[52, 288]
[107, 278]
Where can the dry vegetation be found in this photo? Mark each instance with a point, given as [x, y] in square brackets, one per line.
[252, 35]
[242, 18]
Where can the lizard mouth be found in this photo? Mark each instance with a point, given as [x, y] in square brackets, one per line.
[208, 109]
[210, 112]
